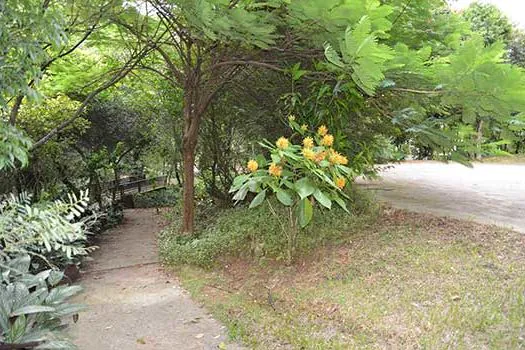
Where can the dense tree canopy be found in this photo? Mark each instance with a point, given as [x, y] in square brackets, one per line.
[184, 87]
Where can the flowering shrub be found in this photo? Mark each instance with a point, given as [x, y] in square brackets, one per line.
[302, 176]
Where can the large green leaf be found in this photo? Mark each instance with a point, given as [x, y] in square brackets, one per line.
[341, 203]
[259, 198]
[284, 197]
[305, 212]
[31, 309]
[304, 187]
[323, 199]
[241, 194]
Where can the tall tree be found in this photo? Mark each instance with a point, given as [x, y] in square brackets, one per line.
[202, 44]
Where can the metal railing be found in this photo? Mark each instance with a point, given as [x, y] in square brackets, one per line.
[137, 186]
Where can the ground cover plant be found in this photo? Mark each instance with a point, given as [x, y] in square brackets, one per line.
[402, 280]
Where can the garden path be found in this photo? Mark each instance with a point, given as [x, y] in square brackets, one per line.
[487, 193]
[133, 303]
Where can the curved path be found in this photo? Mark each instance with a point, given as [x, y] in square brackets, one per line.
[132, 303]
[488, 193]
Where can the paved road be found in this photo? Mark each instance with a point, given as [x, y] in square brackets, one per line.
[132, 303]
[488, 193]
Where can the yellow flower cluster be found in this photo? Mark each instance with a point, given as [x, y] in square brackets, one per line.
[304, 127]
[323, 130]
[337, 158]
[275, 170]
[308, 142]
[252, 165]
[282, 143]
[308, 153]
[320, 156]
[328, 140]
[291, 118]
[340, 182]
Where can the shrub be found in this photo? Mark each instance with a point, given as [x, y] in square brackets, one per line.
[45, 230]
[303, 177]
[33, 307]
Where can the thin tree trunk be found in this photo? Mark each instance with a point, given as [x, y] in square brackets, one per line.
[177, 174]
[188, 188]
[479, 138]
[15, 109]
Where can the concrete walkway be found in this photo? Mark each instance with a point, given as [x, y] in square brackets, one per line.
[487, 193]
[132, 303]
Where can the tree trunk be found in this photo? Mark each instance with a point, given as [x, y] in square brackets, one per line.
[188, 150]
[116, 187]
[479, 138]
[177, 174]
[15, 110]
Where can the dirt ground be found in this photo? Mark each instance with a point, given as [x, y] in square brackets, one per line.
[487, 193]
[132, 303]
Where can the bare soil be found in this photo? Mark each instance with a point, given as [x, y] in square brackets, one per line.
[133, 303]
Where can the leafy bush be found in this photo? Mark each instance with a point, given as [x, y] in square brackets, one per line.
[45, 230]
[257, 233]
[32, 307]
[14, 146]
[303, 177]
[164, 197]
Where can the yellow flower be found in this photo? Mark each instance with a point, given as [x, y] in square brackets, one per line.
[320, 156]
[340, 182]
[304, 127]
[282, 143]
[252, 165]
[334, 157]
[337, 158]
[323, 130]
[275, 170]
[308, 142]
[328, 140]
[308, 153]
[291, 118]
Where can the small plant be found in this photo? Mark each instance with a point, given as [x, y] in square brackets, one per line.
[302, 177]
[32, 307]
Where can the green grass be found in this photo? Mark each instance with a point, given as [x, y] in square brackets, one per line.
[402, 281]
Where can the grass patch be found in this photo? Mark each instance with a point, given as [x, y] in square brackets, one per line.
[402, 280]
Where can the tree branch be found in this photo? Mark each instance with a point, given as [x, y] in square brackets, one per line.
[247, 63]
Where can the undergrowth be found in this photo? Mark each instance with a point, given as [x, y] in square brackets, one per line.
[162, 197]
[241, 231]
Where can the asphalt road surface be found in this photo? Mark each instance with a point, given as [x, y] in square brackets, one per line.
[487, 193]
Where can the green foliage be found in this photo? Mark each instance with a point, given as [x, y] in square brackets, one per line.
[44, 230]
[299, 174]
[39, 119]
[327, 21]
[163, 197]
[362, 56]
[33, 307]
[477, 81]
[14, 147]
[218, 21]
[489, 21]
[257, 233]
[24, 26]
